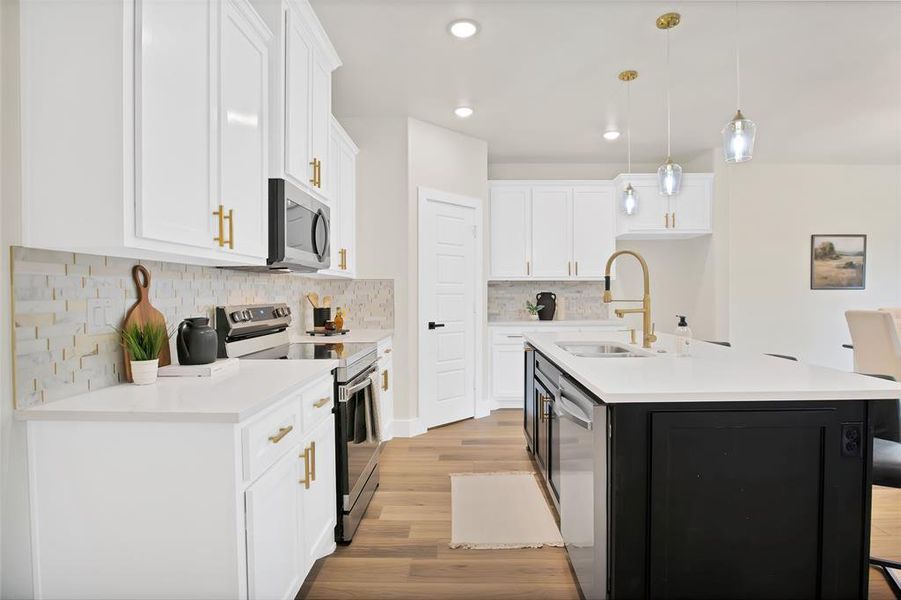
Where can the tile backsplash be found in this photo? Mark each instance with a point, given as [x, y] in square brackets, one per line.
[576, 300]
[56, 355]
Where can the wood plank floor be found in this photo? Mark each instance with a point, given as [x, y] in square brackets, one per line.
[401, 548]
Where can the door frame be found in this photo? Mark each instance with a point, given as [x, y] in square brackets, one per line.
[424, 195]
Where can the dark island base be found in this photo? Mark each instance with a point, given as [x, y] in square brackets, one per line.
[731, 499]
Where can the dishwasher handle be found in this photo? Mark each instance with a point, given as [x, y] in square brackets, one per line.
[569, 410]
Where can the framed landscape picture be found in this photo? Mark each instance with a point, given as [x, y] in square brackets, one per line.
[838, 262]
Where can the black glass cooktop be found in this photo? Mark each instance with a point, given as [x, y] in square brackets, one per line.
[336, 351]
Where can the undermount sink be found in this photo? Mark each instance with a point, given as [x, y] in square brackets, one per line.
[600, 350]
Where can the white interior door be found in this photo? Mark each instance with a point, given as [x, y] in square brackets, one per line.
[449, 272]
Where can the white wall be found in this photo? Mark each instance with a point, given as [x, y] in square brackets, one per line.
[397, 155]
[15, 538]
[774, 209]
[448, 161]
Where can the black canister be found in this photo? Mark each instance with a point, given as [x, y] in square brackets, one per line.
[548, 302]
[197, 342]
[321, 316]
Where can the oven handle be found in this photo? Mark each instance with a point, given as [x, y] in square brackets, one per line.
[346, 391]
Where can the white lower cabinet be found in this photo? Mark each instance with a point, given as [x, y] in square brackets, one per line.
[507, 363]
[317, 505]
[275, 557]
[187, 509]
[386, 387]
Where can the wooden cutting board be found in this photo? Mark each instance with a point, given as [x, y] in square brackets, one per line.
[142, 313]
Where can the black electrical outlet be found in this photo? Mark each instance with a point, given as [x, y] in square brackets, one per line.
[852, 439]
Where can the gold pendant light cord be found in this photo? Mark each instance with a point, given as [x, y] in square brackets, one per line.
[629, 127]
[668, 102]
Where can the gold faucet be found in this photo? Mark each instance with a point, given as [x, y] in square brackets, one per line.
[647, 328]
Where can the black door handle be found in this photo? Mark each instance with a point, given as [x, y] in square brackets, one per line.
[434, 325]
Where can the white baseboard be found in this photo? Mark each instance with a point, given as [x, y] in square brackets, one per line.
[407, 428]
[497, 403]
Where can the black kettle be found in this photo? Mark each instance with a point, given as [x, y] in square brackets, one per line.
[548, 302]
[197, 342]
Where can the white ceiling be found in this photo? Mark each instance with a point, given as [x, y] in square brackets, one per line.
[821, 79]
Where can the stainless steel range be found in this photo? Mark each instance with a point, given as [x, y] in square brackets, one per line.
[260, 331]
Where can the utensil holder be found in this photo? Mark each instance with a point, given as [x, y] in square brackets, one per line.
[321, 316]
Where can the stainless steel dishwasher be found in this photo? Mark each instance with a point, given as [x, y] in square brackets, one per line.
[583, 485]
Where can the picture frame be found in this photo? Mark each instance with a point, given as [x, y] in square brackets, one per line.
[838, 261]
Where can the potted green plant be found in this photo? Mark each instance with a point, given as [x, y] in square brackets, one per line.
[533, 309]
[143, 344]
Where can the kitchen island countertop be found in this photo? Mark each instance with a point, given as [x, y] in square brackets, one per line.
[712, 373]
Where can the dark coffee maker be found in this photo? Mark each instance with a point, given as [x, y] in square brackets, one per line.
[548, 302]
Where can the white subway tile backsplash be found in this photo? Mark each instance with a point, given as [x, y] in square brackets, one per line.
[576, 300]
[56, 358]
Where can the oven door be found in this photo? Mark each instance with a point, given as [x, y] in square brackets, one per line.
[357, 456]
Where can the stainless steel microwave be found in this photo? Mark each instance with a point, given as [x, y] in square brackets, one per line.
[299, 229]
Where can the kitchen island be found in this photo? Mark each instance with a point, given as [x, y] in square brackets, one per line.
[723, 474]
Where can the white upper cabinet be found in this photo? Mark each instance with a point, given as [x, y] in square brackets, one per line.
[552, 230]
[510, 232]
[594, 230]
[342, 182]
[301, 63]
[165, 121]
[686, 215]
[174, 136]
[243, 105]
[295, 75]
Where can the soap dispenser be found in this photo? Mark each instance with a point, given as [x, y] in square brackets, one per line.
[683, 337]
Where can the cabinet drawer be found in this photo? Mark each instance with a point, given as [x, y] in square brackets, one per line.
[507, 337]
[268, 438]
[317, 403]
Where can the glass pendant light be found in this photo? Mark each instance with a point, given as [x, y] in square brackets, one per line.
[669, 175]
[739, 133]
[629, 202]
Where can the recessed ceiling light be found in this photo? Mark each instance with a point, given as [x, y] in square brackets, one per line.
[611, 135]
[463, 28]
[463, 112]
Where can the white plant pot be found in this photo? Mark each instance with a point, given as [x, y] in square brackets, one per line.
[533, 317]
[144, 372]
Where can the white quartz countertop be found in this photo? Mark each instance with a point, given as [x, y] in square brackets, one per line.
[712, 373]
[562, 323]
[227, 398]
[354, 336]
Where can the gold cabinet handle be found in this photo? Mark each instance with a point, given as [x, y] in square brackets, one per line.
[569, 268]
[321, 402]
[674, 220]
[528, 268]
[306, 468]
[542, 402]
[230, 217]
[282, 432]
[666, 219]
[316, 164]
[343, 261]
[221, 214]
[385, 380]
[313, 455]
[577, 268]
